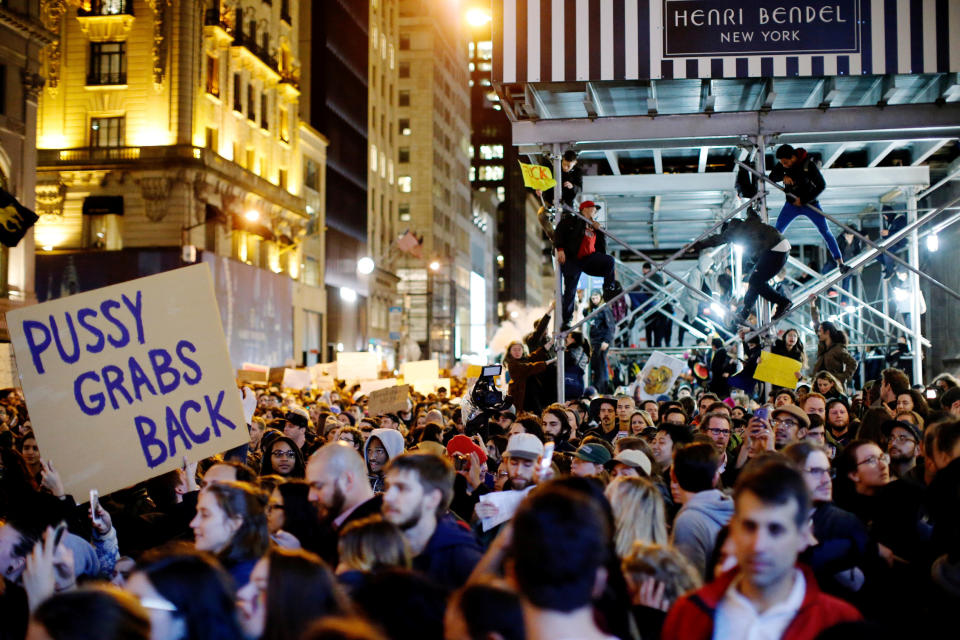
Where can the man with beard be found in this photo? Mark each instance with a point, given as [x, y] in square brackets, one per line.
[838, 422]
[787, 422]
[419, 487]
[903, 447]
[338, 485]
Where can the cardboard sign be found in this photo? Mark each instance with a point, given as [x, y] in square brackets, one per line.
[122, 382]
[357, 366]
[420, 370]
[252, 377]
[779, 370]
[369, 386]
[658, 375]
[389, 400]
[296, 378]
[8, 368]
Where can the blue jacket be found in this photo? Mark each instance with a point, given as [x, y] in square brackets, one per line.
[602, 326]
[450, 555]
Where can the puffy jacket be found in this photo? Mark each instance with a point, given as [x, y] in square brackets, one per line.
[450, 555]
[692, 616]
[808, 182]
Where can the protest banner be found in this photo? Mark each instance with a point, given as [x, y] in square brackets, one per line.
[537, 177]
[779, 370]
[357, 366]
[659, 374]
[389, 400]
[296, 378]
[122, 382]
[420, 370]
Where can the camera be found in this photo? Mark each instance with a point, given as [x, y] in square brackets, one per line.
[484, 401]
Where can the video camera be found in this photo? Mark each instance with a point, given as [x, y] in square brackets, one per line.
[484, 401]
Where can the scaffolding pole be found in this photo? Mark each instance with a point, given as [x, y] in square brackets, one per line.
[560, 338]
[913, 254]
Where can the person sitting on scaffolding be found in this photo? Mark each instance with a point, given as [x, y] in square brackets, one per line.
[764, 245]
[803, 183]
[582, 248]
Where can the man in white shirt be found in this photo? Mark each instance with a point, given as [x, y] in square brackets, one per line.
[766, 596]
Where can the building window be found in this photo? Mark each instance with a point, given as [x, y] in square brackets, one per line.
[282, 178]
[373, 158]
[485, 50]
[106, 132]
[473, 173]
[405, 183]
[251, 103]
[311, 175]
[404, 71]
[264, 121]
[213, 75]
[491, 151]
[237, 93]
[284, 125]
[210, 139]
[404, 210]
[491, 172]
[404, 126]
[107, 63]
[403, 154]
[403, 99]
[285, 11]
[404, 42]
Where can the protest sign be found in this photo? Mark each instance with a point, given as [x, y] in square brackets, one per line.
[430, 386]
[779, 370]
[420, 370]
[252, 377]
[8, 368]
[369, 386]
[358, 365]
[123, 382]
[537, 176]
[658, 375]
[296, 378]
[389, 400]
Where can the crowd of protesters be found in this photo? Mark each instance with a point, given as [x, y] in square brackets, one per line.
[795, 513]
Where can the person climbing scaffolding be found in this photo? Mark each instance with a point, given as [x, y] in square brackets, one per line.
[803, 183]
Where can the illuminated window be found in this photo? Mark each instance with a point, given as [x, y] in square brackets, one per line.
[473, 173]
[404, 210]
[106, 132]
[373, 158]
[490, 151]
[404, 126]
[485, 50]
[491, 172]
[405, 183]
[108, 64]
[311, 175]
[284, 125]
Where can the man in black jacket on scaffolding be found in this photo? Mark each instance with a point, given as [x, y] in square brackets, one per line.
[765, 245]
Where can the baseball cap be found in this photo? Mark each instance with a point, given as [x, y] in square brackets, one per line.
[794, 411]
[588, 203]
[524, 445]
[465, 446]
[635, 459]
[887, 428]
[593, 452]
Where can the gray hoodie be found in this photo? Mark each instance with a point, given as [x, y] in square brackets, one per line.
[392, 441]
[697, 524]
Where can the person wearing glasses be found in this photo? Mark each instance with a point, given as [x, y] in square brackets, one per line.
[787, 422]
[903, 447]
[282, 458]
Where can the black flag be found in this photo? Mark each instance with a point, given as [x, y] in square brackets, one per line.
[15, 219]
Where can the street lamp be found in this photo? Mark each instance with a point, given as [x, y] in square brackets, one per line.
[477, 17]
[347, 294]
[365, 265]
[435, 266]
[252, 215]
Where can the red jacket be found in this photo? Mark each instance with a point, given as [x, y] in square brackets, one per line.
[691, 617]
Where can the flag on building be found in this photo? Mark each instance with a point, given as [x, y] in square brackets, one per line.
[409, 243]
[15, 219]
[537, 176]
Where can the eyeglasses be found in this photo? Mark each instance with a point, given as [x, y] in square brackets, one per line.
[785, 423]
[873, 460]
[902, 438]
[718, 432]
[819, 471]
[284, 454]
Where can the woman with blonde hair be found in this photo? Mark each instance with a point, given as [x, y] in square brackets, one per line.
[369, 545]
[656, 576]
[638, 512]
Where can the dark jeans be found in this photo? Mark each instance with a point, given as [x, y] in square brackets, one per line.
[599, 374]
[595, 264]
[768, 265]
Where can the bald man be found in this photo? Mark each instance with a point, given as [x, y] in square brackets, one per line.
[339, 486]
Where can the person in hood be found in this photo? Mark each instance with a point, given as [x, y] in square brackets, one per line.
[706, 510]
[382, 446]
[803, 183]
[762, 244]
[419, 487]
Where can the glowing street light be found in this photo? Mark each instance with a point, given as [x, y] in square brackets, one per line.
[435, 266]
[252, 215]
[477, 17]
[365, 265]
[347, 294]
[933, 242]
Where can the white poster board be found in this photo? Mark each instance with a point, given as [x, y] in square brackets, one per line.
[420, 370]
[358, 365]
[659, 374]
[296, 379]
[122, 382]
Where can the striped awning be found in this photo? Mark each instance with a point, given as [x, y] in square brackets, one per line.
[610, 40]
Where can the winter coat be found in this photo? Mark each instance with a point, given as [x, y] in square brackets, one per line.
[796, 353]
[450, 555]
[602, 326]
[569, 236]
[692, 616]
[696, 526]
[520, 369]
[835, 359]
[808, 182]
[752, 233]
[575, 363]
[392, 441]
[842, 544]
[720, 364]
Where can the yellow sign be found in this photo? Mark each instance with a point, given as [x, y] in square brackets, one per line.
[537, 177]
[779, 370]
[123, 382]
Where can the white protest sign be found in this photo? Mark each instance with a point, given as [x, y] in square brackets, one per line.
[659, 374]
[420, 370]
[296, 378]
[124, 381]
[369, 386]
[427, 387]
[357, 366]
[322, 375]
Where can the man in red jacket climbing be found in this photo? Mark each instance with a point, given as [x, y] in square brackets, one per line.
[766, 595]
